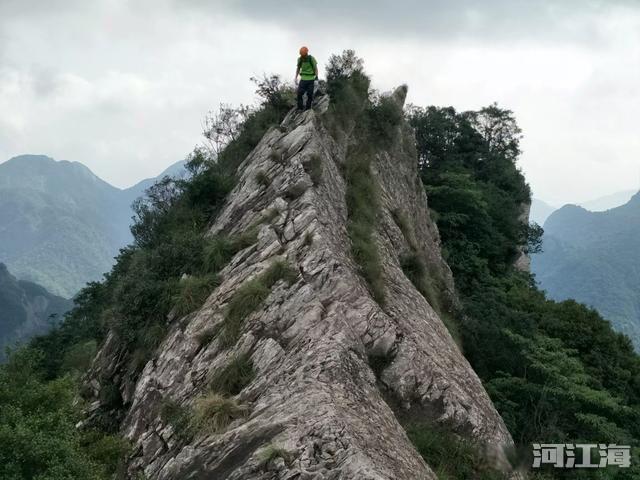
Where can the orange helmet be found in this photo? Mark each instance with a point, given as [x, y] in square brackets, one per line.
[304, 51]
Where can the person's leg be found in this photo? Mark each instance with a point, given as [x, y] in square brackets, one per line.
[310, 93]
[300, 93]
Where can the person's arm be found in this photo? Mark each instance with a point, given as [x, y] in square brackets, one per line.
[297, 75]
[315, 67]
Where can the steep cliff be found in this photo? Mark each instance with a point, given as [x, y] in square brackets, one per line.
[331, 371]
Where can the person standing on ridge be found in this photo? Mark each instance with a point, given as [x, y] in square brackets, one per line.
[308, 71]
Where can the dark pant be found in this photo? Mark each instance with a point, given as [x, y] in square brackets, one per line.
[305, 86]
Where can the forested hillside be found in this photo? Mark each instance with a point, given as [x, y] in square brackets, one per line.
[556, 371]
[60, 225]
[592, 257]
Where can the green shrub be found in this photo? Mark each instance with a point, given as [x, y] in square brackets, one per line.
[193, 291]
[348, 88]
[38, 434]
[415, 269]
[108, 450]
[313, 167]
[232, 379]
[384, 116]
[213, 413]
[262, 178]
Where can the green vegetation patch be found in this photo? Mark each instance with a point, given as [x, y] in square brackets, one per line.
[193, 291]
[262, 178]
[450, 456]
[555, 371]
[313, 167]
[363, 208]
[213, 413]
[249, 297]
[271, 452]
[234, 377]
[38, 434]
[372, 121]
[179, 417]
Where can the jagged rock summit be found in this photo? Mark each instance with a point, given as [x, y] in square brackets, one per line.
[335, 372]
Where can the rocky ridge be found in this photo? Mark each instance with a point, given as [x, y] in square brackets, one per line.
[335, 372]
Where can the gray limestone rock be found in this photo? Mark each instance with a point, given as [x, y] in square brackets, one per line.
[314, 394]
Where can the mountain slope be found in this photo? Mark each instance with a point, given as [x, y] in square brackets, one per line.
[593, 258]
[25, 309]
[60, 225]
[335, 367]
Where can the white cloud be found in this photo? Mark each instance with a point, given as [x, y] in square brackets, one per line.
[123, 86]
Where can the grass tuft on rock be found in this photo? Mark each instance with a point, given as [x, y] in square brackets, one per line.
[232, 379]
[192, 293]
[220, 249]
[249, 297]
[313, 167]
[308, 239]
[363, 206]
[262, 178]
[271, 452]
[214, 412]
[179, 417]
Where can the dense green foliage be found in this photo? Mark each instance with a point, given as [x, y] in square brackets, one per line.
[38, 434]
[556, 371]
[593, 258]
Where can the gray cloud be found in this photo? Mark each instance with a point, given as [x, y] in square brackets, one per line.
[122, 86]
[487, 21]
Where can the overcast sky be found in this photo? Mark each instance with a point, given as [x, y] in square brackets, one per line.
[122, 86]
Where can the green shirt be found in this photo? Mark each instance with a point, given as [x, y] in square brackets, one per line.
[307, 67]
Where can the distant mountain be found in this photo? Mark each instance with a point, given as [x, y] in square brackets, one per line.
[61, 225]
[540, 211]
[609, 201]
[594, 258]
[26, 309]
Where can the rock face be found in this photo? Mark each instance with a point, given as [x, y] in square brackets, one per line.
[523, 262]
[315, 395]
